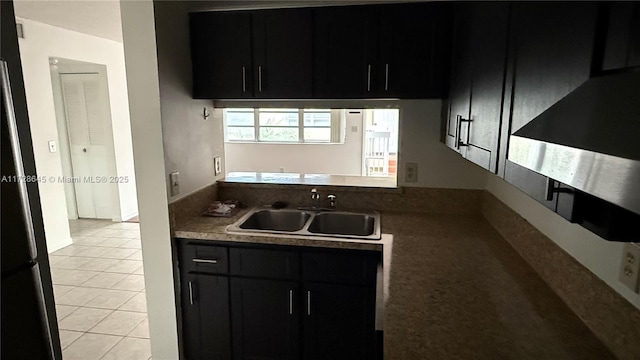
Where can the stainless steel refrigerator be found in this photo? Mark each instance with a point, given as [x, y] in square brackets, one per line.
[27, 311]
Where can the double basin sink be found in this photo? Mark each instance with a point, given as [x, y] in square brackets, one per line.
[339, 224]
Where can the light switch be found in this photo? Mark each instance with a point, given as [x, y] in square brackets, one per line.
[217, 165]
[174, 179]
[354, 128]
[53, 147]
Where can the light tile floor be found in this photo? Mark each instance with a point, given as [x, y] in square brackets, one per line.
[98, 283]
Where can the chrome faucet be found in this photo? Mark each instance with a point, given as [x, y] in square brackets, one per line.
[332, 201]
[315, 198]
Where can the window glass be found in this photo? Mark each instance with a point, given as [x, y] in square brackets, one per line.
[317, 134]
[278, 134]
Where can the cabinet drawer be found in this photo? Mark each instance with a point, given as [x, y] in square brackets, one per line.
[205, 259]
[265, 263]
[337, 267]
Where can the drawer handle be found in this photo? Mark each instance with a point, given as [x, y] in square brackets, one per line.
[205, 261]
[308, 302]
[290, 302]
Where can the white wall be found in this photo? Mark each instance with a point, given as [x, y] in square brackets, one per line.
[333, 159]
[438, 166]
[138, 33]
[43, 41]
[598, 255]
[190, 141]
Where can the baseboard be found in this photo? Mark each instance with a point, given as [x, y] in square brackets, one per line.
[53, 246]
[129, 215]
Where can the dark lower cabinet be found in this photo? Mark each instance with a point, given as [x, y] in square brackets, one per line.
[339, 322]
[205, 313]
[266, 319]
[274, 302]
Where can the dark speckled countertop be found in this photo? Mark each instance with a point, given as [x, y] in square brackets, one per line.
[456, 290]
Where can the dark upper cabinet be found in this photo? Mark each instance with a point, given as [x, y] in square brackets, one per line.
[221, 55]
[413, 39]
[622, 39]
[551, 52]
[345, 48]
[205, 317]
[266, 319]
[341, 52]
[478, 80]
[282, 53]
[460, 87]
[339, 322]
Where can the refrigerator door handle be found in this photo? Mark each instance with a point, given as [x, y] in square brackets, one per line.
[7, 99]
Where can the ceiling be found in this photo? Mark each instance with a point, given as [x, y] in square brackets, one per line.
[94, 17]
[102, 17]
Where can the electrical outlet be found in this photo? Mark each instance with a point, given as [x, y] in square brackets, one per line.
[174, 179]
[217, 166]
[630, 267]
[411, 172]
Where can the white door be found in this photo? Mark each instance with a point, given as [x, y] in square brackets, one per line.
[85, 104]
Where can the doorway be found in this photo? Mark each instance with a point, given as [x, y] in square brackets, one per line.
[86, 139]
[380, 143]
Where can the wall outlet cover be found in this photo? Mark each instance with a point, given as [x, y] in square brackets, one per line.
[53, 147]
[411, 173]
[630, 267]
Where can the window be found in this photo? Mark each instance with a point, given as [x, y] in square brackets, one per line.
[284, 125]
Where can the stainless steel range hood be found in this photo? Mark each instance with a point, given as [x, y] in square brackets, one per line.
[589, 140]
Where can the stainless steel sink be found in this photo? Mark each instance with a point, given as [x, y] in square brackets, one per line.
[352, 225]
[343, 223]
[277, 220]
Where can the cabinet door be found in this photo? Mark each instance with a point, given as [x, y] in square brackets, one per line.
[487, 58]
[460, 89]
[345, 43]
[221, 55]
[282, 44]
[266, 320]
[205, 317]
[414, 43]
[553, 47]
[622, 46]
[339, 322]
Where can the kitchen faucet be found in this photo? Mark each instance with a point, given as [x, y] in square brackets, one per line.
[315, 198]
[332, 201]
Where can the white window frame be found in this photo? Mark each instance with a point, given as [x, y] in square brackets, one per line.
[336, 128]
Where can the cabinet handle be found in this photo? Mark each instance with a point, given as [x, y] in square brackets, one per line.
[458, 140]
[259, 78]
[369, 77]
[308, 302]
[190, 293]
[386, 77]
[290, 302]
[244, 79]
[205, 261]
